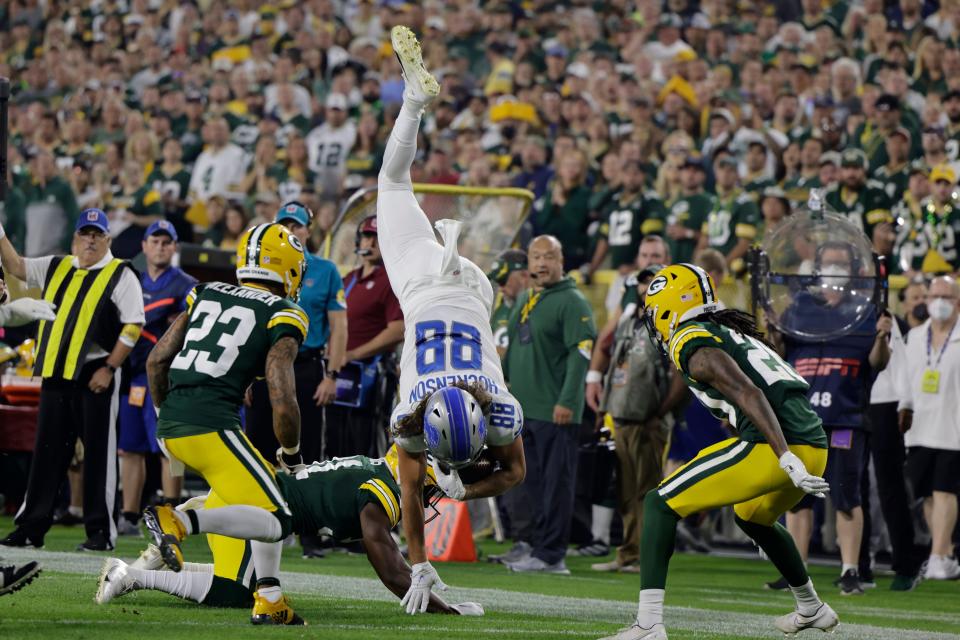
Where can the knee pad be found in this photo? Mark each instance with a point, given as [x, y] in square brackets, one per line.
[286, 523]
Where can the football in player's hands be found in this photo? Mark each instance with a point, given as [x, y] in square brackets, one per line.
[482, 468]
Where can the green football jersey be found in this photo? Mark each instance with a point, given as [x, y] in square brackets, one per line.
[798, 189]
[231, 329]
[928, 242]
[894, 181]
[690, 212]
[627, 220]
[328, 496]
[865, 208]
[731, 219]
[784, 388]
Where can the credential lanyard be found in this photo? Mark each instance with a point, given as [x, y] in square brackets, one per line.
[943, 347]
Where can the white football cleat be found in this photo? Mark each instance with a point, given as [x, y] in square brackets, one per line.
[636, 632]
[825, 619]
[149, 560]
[114, 581]
[420, 85]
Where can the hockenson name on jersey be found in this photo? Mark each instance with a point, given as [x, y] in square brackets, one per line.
[427, 386]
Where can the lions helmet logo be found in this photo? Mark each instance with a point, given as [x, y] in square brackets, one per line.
[431, 434]
[657, 285]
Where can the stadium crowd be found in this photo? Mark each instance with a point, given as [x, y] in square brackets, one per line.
[704, 123]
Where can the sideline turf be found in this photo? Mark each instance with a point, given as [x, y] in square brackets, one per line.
[708, 597]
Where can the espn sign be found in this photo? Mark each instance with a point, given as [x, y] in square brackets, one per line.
[816, 367]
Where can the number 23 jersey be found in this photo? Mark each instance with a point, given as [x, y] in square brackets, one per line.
[447, 342]
[230, 331]
[783, 387]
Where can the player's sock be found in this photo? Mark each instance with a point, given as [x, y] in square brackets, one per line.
[131, 517]
[238, 521]
[266, 564]
[849, 567]
[401, 148]
[650, 609]
[227, 593]
[657, 541]
[190, 585]
[600, 528]
[807, 599]
[198, 567]
[779, 546]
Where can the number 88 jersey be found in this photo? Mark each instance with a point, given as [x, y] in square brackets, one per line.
[230, 331]
[445, 344]
[782, 386]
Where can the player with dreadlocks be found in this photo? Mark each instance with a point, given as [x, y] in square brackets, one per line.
[777, 457]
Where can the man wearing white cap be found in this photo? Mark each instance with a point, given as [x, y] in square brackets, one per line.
[330, 143]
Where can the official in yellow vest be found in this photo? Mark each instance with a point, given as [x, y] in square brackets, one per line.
[99, 314]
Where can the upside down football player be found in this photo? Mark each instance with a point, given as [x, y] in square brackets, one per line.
[198, 373]
[354, 498]
[453, 399]
[763, 472]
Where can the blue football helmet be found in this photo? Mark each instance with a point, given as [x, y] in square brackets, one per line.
[454, 427]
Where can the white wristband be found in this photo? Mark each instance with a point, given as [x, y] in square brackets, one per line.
[291, 451]
[594, 376]
[3, 234]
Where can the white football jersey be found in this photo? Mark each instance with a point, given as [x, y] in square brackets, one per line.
[217, 173]
[328, 149]
[448, 339]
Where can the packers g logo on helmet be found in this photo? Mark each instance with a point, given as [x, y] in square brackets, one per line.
[678, 293]
[269, 252]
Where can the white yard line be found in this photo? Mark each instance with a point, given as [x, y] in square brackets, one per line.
[746, 625]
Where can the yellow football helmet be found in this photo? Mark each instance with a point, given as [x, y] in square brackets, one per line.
[270, 252]
[676, 294]
[432, 493]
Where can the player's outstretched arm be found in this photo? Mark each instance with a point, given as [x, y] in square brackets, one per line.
[512, 471]
[282, 389]
[386, 559]
[412, 469]
[162, 355]
[714, 367]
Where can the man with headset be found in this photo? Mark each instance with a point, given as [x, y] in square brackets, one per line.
[840, 372]
[375, 327]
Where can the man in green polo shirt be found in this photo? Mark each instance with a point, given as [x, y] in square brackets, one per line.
[551, 334]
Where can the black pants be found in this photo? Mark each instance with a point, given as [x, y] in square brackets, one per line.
[551, 452]
[308, 371]
[69, 410]
[351, 432]
[889, 456]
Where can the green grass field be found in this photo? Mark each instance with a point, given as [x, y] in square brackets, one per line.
[340, 597]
